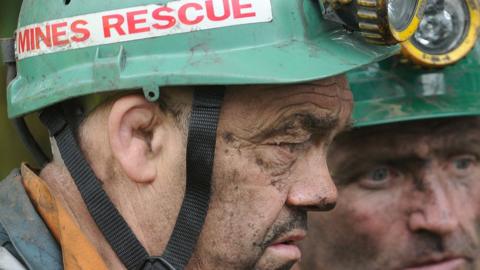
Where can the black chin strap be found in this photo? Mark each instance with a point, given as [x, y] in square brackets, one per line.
[202, 136]
[200, 155]
[106, 216]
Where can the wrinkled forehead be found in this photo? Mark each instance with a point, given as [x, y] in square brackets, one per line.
[325, 93]
[332, 86]
[329, 97]
[414, 138]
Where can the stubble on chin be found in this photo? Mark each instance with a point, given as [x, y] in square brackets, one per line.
[266, 264]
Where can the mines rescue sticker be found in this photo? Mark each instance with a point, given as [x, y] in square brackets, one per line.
[136, 23]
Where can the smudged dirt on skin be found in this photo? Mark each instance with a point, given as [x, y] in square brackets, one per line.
[359, 241]
[241, 232]
[234, 233]
[228, 138]
[273, 164]
[266, 159]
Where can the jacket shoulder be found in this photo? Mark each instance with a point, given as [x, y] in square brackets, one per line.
[22, 230]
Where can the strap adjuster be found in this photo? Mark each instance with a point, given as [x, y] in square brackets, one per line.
[53, 120]
[157, 263]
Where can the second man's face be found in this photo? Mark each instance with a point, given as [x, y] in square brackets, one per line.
[408, 199]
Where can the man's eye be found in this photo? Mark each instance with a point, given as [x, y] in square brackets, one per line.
[380, 174]
[291, 145]
[379, 177]
[462, 165]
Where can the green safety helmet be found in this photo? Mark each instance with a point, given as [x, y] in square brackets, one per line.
[76, 48]
[288, 43]
[392, 91]
[424, 82]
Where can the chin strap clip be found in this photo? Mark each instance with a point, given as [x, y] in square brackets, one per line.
[157, 263]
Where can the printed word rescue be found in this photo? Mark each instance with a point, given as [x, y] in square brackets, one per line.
[137, 23]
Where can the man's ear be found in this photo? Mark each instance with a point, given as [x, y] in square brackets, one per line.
[133, 125]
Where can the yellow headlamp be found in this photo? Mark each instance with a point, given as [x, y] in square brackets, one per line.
[446, 34]
[379, 21]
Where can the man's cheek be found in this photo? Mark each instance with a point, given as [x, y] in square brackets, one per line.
[472, 200]
[373, 213]
[231, 231]
[368, 221]
[246, 199]
[243, 212]
[354, 235]
[365, 211]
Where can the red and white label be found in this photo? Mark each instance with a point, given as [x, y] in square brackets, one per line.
[137, 23]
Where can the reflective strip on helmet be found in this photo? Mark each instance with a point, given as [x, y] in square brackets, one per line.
[137, 23]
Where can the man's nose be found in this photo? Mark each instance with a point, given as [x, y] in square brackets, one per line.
[314, 190]
[435, 212]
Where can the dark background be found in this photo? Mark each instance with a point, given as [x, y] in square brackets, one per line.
[12, 151]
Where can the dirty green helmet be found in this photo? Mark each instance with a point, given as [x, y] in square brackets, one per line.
[63, 52]
[390, 91]
[397, 90]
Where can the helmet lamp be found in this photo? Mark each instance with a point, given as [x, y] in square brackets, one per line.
[384, 22]
[446, 34]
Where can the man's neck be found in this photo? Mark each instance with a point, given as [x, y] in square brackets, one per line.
[149, 209]
[64, 190]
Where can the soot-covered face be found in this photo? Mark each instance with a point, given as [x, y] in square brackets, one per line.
[270, 169]
[408, 199]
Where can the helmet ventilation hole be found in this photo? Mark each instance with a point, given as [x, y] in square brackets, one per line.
[67, 2]
[151, 93]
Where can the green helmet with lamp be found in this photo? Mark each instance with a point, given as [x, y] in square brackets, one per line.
[74, 49]
[404, 89]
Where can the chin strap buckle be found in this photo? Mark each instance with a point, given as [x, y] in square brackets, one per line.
[156, 263]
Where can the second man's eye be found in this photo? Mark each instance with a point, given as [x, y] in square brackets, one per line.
[462, 165]
[380, 174]
[379, 177]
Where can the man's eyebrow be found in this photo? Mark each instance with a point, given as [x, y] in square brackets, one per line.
[320, 123]
[288, 125]
[457, 146]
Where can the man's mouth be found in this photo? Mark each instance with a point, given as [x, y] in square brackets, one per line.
[286, 246]
[290, 238]
[439, 263]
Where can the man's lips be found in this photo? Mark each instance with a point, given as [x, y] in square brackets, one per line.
[290, 238]
[286, 247]
[440, 263]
